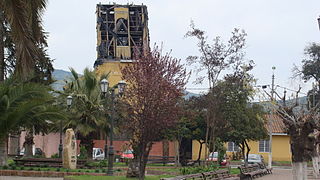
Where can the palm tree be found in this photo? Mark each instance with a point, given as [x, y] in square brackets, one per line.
[25, 105]
[88, 116]
[24, 18]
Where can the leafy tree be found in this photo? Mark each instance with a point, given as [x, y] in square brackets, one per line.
[214, 59]
[87, 112]
[155, 85]
[22, 36]
[244, 121]
[25, 105]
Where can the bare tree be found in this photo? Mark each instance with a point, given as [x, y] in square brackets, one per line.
[302, 126]
[156, 83]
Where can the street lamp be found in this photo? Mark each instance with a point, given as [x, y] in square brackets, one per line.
[69, 102]
[104, 84]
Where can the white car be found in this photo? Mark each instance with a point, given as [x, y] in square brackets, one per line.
[98, 154]
[255, 158]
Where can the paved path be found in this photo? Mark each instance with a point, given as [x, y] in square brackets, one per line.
[27, 178]
[282, 174]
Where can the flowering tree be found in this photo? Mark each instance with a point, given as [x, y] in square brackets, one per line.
[156, 83]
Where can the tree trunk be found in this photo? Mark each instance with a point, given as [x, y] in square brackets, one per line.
[138, 166]
[3, 152]
[248, 150]
[2, 64]
[315, 165]
[299, 171]
[200, 150]
[28, 143]
[144, 160]
[165, 149]
[242, 146]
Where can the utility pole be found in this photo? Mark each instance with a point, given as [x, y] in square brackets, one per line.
[270, 120]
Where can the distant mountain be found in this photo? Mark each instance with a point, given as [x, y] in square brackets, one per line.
[188, 95]
[61, 76]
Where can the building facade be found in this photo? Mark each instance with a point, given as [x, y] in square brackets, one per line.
[280, 143]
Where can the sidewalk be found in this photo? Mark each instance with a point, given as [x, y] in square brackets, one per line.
[282, 174]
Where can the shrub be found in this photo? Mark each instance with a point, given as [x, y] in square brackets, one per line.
[97, 171]
[58, 169]
[13, 167]
[103, 163]
[56, 155]
[198, 169]
[83, 153]
[5, 167]
[11, 162]
[31, 169]
[21, 168]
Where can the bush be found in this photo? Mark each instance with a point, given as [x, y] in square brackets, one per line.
[97, 171]
[21, 168]
[103, 163]
[198, 169]
[31, 169]
[83, 153]
[5, 167]
[13, 167]
[58, 169]
[56, 155]
[11, 162]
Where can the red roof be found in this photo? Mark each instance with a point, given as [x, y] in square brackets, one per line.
[277, 125]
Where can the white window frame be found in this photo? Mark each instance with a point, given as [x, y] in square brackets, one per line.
[234, 147]
[265, 146]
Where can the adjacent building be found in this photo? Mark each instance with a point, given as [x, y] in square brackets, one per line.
[280, 143]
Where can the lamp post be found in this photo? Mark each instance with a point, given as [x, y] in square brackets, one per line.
[319, 22]
[69, 102]
[104, 84]
[104, 89]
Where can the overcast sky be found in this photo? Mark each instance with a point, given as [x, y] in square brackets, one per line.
[278, 31]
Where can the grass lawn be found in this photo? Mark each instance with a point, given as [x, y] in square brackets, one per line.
[113, 177]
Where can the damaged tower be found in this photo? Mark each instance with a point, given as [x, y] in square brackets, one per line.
[122, 30]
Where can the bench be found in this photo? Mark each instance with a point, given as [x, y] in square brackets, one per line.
[212, 175]
[251, 171]
[161, 159]
[45, 162]
[267, 169]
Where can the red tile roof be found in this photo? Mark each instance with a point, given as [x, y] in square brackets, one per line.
[277, 124]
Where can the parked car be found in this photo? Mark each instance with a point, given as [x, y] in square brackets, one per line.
[213, 156]
[125, 155]
[98, 154]
[255, 158]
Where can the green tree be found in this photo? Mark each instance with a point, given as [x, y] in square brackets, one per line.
[245, 121]
[214, 59]
[88, 116]
[25, 105]
[22, 35]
